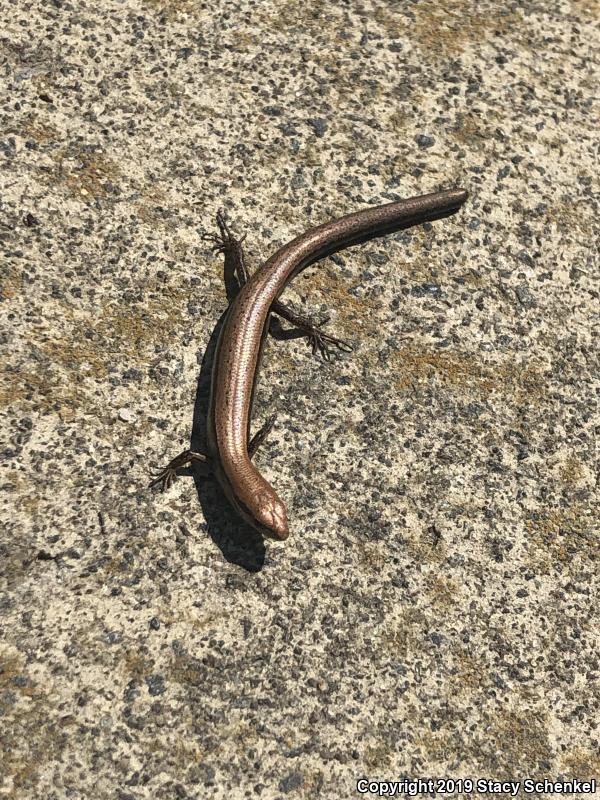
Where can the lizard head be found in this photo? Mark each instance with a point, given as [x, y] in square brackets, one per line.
[270, 516]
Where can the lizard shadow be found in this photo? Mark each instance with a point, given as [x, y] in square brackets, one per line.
[237, 540]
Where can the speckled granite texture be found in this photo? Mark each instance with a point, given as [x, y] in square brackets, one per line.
[435, 610]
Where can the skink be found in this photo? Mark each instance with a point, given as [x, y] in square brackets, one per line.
[239, 347]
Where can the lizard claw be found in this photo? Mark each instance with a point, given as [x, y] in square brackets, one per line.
[165, 479]
[324, 344]
[168, 475]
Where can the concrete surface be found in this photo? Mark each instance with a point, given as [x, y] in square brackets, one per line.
[435, 610]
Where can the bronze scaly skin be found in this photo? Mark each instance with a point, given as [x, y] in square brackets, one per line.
[240, 345]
